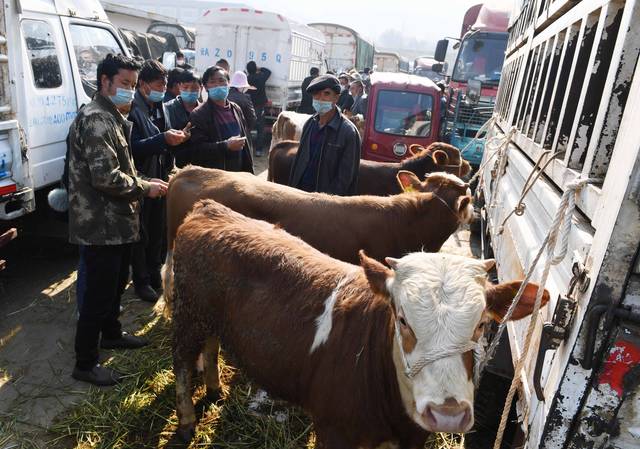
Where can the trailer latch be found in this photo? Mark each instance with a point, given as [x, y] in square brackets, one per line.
[556, 331]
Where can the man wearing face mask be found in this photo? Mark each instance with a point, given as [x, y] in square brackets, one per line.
[104, 202]
[151, 145]
[219, 136]
[328, 157]
[178, 110]
[238, 88]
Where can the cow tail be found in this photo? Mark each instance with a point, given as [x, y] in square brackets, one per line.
[166, 305]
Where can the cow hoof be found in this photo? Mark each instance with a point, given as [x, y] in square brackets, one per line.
[186, 432]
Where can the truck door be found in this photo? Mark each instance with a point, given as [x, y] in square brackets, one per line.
[88, 43]
[46, 100]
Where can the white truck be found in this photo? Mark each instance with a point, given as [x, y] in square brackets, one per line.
[388, 61]
[49, 53]
[287, 48]
[567, 118]
[346, 49]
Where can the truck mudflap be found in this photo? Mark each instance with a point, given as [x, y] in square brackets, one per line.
[617, 380]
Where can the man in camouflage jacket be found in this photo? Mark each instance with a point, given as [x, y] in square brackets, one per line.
[104, 200]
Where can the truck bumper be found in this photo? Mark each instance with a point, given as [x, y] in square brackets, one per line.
[17, 204]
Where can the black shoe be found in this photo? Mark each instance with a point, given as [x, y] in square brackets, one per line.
[98, 375]
[126, 341]
[147, 293]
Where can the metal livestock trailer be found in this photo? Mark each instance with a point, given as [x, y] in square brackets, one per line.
[567, 126]
[345, 48]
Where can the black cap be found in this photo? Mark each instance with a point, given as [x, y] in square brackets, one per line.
[324, 82]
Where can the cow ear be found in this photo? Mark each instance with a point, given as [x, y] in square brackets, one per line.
[415, 149]
[440, 157]
[377, 274]
[409, 182]
[464, 208]
[500, 296]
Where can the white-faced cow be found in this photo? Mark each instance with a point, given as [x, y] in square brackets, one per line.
[373, 354]
[378, 178]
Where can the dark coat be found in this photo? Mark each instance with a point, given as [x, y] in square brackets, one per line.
[345, 101]
[207, 148]
[259, 81]
[339, 157]
[306, 105]
[244, 101]
[150, 150]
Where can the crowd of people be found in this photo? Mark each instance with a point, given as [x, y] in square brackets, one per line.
[145, 122]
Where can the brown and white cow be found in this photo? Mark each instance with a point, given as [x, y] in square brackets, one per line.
[373, 354]
[422, 218]
[378, 178]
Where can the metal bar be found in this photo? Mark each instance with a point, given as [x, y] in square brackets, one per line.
[553, 51]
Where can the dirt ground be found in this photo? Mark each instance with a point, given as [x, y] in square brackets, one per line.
[37, 319]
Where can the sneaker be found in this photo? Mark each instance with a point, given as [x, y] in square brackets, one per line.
[98, 375]
[126, 341]
[147, 293]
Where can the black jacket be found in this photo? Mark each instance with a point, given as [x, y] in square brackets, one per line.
[306, 105]
[148, 146]
[207, 148]
[259, 81]
[339, 157]
[345, 101]
[244, 101]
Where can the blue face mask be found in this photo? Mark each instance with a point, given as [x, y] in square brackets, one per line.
[218, 93]
[122, 96]
[155, 96]
[189, 97]
[322, 107]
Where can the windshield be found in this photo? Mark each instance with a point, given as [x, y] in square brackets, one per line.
[480, 58]
[403, 113]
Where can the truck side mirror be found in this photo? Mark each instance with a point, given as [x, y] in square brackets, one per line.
[441, 50]
[437, 68]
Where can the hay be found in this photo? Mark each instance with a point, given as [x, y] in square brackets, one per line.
[140, 412]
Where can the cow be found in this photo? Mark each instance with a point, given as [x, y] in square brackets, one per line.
[378, 178]
[288, 125]
[374, 354]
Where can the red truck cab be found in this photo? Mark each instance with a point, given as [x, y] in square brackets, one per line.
[402, 110]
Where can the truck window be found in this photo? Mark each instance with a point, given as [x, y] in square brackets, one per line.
[41, 49]
[481, 58]
[403, 113]
[91, 44]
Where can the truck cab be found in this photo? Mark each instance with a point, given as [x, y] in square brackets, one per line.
[50, 52]
[402, 110]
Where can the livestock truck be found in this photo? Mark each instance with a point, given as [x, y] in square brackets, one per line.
[345, 48]
[287, 48]
[566, 131]
[476, 73]
[49, 53]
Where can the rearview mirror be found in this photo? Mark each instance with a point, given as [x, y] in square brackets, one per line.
[441, 50]
[437, 68]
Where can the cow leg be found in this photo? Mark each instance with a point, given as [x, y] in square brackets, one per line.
[330, 439]
[211, 379]
[185, 353]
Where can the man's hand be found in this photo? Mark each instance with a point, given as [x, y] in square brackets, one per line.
[158, 188]
[175, 137]
[236, 143]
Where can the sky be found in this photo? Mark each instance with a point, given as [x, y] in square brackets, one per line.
[386, 22]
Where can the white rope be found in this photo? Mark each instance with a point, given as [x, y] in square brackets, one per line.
[560, 228]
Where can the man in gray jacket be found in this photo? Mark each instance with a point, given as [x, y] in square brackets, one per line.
[104, 203]
[328, 158]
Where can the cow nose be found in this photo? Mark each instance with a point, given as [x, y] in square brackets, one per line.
[450, 417]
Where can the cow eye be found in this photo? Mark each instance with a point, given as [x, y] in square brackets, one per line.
[402, 321]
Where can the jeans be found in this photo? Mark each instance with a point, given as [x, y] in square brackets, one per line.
[102, 278]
